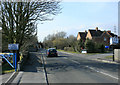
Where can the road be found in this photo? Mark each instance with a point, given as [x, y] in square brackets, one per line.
[67, 68]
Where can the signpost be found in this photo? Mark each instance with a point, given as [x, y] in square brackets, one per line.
[14, 47]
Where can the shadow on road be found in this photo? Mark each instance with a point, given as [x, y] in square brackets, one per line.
[33, 63]
[67, 64]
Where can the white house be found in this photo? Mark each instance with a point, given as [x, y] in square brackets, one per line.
[113, 38]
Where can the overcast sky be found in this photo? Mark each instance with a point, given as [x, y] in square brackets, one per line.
[80, 16]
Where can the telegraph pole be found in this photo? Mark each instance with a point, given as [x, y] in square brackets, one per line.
[114, 29]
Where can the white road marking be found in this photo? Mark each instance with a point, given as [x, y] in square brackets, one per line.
[101, 72]
[72, 60]
[95, 59]
[65, 58]
[94, 69]
[75, 61]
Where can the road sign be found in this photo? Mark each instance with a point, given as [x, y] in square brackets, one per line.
[106, 46]
[13, 46]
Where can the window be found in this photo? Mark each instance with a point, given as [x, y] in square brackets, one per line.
[105, 39]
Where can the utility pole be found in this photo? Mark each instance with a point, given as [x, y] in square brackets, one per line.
[114, 29]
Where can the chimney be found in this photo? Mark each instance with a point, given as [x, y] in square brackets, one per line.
[96, 28]
[109, 31]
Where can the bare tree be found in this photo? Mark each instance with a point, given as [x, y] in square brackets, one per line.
[19, 18]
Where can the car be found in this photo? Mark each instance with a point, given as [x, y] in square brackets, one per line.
[52, 52]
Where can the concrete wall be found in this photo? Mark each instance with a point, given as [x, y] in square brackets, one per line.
[117, 54]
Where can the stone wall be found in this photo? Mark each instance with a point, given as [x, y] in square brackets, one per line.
[117, 54]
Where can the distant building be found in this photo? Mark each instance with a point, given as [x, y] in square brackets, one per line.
[113, 38]
[105, 37]
[82, 35]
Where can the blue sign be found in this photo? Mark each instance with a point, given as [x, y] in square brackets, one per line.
[106, 46]
[13, 46]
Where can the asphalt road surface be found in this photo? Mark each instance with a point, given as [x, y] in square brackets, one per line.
[67, 68]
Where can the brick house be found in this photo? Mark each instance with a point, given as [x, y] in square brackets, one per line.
[104, 37]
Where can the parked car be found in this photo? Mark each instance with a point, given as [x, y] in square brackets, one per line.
[52, 52]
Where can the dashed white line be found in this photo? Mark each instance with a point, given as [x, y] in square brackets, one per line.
[75, 61]
[72, 60]
[101, 72]
[94, 69]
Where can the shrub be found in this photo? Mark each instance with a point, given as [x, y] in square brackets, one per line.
[68, 49]
[90, 46]
[100, 48]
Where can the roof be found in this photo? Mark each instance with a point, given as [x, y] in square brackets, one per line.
[95, 33]
[83, 35]
[111, 34]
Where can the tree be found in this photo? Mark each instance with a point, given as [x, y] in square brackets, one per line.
[61, 34]
[90, 45]
[19, 18]
[53, 40]
[72, 42]
[60, 43]
[80, 45]
[99, 47]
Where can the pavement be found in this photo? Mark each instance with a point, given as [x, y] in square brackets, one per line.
[33, 71]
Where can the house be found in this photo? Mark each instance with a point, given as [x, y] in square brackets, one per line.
[104, 37]
[81, 35]
[92, 34]
[113, 38]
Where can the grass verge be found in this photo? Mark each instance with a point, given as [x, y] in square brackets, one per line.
[109, 56]
[68, 51]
